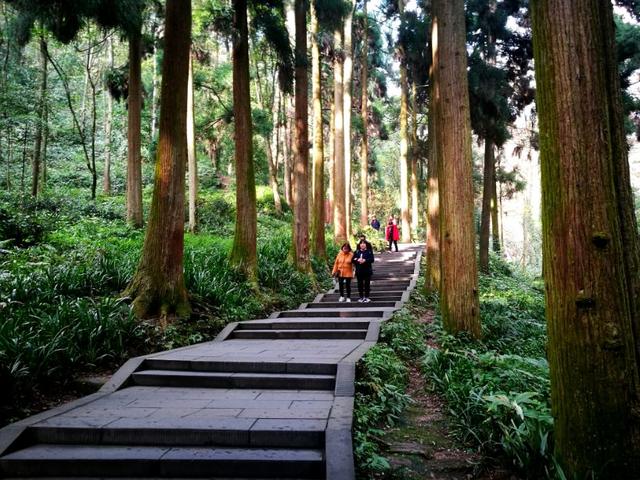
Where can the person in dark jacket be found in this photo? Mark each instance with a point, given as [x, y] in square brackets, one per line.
[363, 260]
[375, 223]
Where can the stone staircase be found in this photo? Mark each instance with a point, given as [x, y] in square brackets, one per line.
[269, 398]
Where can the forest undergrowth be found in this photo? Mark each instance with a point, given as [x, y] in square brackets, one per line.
[495, 392]
[64, 262]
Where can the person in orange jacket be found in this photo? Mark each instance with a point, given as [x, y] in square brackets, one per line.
[343, 269]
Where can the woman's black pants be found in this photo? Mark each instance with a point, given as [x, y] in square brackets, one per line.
[364, 285]
[345, 284]
[395, 242]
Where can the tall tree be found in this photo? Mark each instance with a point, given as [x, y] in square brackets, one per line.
[300, 183]
[459, 277]
[37, 152]
[347, 81]
[134, 109]
[404, 146]
[339, 182]
[108, 122]
[318, 247]
[432, 280]
[192, 163]
[364, 155]
[244, 251]
[590, 241]
[157, 287]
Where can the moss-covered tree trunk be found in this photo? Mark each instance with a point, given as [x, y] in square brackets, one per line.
[244, 251]
[458, 273]
[432, 278]
[158, 287]
[318, 247]
[339, 182]
[191, 153]
[134, 108]
[590, 241]
[487, 195]
[300, 179]
[405, 214]
[364, 148]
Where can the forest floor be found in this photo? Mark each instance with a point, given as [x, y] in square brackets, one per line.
[421, 445]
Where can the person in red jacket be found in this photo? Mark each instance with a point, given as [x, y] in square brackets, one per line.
[392, 234]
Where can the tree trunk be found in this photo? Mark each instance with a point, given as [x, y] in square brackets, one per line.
[191, 152]
[331, 162]
[272, 150]
[339, 181]
[154, 91]
[158, 286]
[590, 241]
[487, 194]
[286, 152]
[244, 251]
[432, 280]
[318, 247]
[459, 276]
[347, 76]
[300, 180]
[134, 166]
[106, 176]
[495, 216]
[37, 152]
[413, 160]
[404, 149]
[364, 155]
[94, 124]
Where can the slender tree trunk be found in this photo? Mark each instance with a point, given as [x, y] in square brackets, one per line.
[495, 216]
[331, 162]
[300, 180]
[272, 150]
[339, 201]
[154, 91]
[287, 157]
[413, 159]
[432, 279]
[134, 164]
[459, 276]
[24, 163]
[487, 194]
[191, 153]
[364, 155]
[244, 251]
[94, 124]
[590, 241]
[45, 143]
[404, 149]
[106, 175]
[318, 247]
[37, 152]
[158, 287]
[347, 77]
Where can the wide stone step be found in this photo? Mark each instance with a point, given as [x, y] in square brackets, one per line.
[375, 297]
[317, 313]
[190, 379]
[353, 304]
[244, 367]
[294, 433]
[319, 334]
[161, 462]
[312, 324]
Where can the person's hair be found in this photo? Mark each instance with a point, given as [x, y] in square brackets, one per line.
[363, 242]
[345, 244]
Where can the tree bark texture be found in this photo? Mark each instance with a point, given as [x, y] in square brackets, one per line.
[432, 280]
[487, 196]
[364, 155]
[191, 152]
[339, 181]
[458, 273]
[405, 215]
[318, 246]
[272, 150]
[331, 161]
[244, 251]
[158, 286]
[300, 179]
[413, 160]
[495, 215]
[590, 241]
[134, 109]
[347, 77]
[108, 121]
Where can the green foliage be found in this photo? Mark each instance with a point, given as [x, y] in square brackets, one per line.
[498, 388]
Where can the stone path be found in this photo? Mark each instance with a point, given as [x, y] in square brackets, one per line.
[269, 398]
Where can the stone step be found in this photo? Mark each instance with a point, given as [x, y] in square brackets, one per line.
[353, 304]
[187, 432]
[312, 324]
[319, 334]
[375, 297]
[243, 367]
[317, 313]
[189, 379]
[161, 462]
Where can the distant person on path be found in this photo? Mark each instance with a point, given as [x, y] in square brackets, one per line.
[362, 259]
[375, 224]
[392, 234]
[343, 270]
